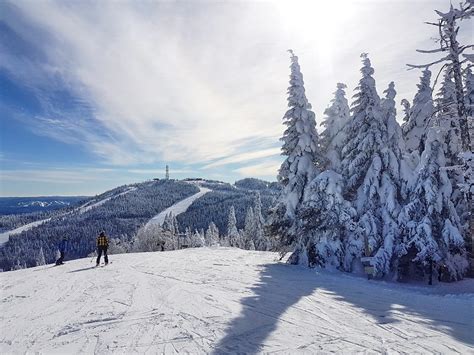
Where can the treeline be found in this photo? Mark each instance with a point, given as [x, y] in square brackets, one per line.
[121, 217]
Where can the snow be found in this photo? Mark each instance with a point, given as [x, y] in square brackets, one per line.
[179, 207]
[225, 300]
[82, 209]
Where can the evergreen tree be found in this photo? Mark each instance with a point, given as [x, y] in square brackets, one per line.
[371, 169]
[420, 115]
[448, 118]
[249, 231]
[336, 117]
[233, 235]
[261, 242]
[406, 110]
[212, 235]
[326, 218]
[430, 224]
[389, 112]
[40, 259]
[302, 163]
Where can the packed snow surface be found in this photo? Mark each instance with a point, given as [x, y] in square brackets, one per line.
[179, 207]
[225, 300]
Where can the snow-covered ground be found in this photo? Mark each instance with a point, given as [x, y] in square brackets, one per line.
[222, 301]
[179, 207]
[81, 209]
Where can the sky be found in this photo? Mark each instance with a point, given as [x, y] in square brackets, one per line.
[96, 94]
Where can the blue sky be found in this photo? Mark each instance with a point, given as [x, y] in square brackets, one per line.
[97, 94]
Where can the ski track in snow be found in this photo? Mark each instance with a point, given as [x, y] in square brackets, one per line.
[82, 209]
[179, 207]
[224, 300]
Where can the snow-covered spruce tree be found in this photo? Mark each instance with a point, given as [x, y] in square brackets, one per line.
[370, 167]
[421, 112]
[448, 119]
[40, 259]
[302, 163]
[212, 235]
[406, 111]
[197, 240]
[326, 219]
[430, 224]
[248, 233]
[389, 112]
[233, 235]
[261, 241]
[336, 117]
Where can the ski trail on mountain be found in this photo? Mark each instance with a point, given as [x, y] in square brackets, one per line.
[179, 207]
[81, 209]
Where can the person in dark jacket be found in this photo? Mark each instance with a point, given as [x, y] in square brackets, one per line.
[102, 245]
[63, 247]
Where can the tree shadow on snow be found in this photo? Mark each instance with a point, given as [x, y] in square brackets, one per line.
[262, 311]
[281, 286]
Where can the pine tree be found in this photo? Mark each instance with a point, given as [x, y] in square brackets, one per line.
[406, 110]
[326, 218]
[302, 163]
[389, 112]
[261, 241]
[40, 259]
[212, 235]
[249, 230]
[371, 169]
[420, 116]
[448, 118]
[233, 235]
[430, 224]
[333, 137]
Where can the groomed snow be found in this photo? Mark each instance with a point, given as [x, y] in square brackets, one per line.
[224, 300]
[179, 207]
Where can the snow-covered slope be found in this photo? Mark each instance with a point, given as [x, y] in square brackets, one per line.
[179, 207]
[224, 301]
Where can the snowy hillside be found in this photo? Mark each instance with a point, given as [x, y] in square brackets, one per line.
[224, 301]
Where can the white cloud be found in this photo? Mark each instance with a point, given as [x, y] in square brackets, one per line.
[200, 82]
[266, 169]
[239, 158]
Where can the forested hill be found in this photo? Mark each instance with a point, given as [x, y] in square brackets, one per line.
[120, 212]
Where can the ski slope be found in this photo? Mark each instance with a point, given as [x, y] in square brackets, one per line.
[81, 209]
[223, 301]
[179, 207]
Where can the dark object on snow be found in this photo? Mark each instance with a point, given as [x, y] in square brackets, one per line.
[102, 245]
[63, 247]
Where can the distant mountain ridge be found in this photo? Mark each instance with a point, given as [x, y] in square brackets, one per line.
[17, 205]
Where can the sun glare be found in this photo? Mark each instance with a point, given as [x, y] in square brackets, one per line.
[315, 22]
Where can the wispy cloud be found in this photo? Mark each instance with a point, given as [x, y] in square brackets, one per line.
[266, 169]
[244, 157]
[199, 82]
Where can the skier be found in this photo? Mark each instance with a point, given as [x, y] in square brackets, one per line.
[102, 245]
[63, 246]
